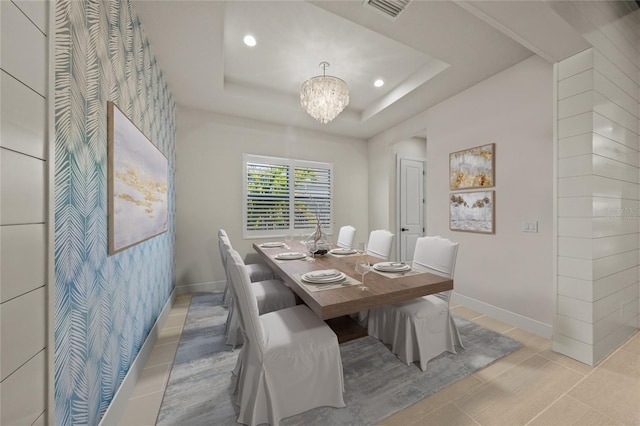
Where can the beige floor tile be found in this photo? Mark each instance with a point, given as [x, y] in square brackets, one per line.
[465, 312]
[633, 344]
[175, 321]
[538, 386]
[614, 388]
[568, 411]
[183, 298]
[446, 415]
[493, 324]
[152, 379]
[162, 354]
[503, 364]
[433, 402]
[530, 340]
[169, 335]
[142, 411]
[566, 361]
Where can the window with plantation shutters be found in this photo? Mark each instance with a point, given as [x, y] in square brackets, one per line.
[284, 195]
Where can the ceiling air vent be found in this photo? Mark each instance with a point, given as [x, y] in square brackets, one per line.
[391, 8]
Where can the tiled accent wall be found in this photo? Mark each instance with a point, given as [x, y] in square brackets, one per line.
[105, 305]
[598, 188]
[23, 213]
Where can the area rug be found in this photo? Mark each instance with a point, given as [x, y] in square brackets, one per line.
[377, 384]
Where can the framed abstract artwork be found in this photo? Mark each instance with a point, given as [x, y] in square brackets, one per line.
[472, 212]
[137, 184]
[472, 168]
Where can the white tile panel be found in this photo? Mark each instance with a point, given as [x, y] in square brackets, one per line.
[576, 125]
[612, 303]
[573, 348]
[607, 227]
[615, 282]
[615, 208]
[581, 186]
[23, 116]
[575, 268]
[575, 207]
[575, 105]
[616, 151]
[609, 246]
[607, 187]
[575, 166]
[574, 308]
[23, 327]
[576, 84]
[575, 288]
[614, 131]
[575, 227]
[607, 88]
[575, 145]
[37, 11]
[614, 169]
[609, 109]
[612, 341]
[575, 64]
[23, 266]
[23, 188]
[614, 321]
[605, 266]
[613, 73]
[604, 46]
[22, 395]
[574, 328]
[24, 48]
[580, 248]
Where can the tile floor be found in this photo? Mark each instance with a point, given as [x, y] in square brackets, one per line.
[532, 386]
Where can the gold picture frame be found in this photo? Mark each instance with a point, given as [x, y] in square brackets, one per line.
[472, 211]
[472, 168]
[137, 184]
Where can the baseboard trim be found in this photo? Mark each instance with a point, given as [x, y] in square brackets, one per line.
[534, 326]
[208, 287]
[121, 398]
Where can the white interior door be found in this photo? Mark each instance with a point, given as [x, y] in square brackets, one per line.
[410, 206]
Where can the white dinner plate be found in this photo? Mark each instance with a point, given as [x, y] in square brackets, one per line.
[291, 255]
[324, 276]
[274, 244]
[343, 251]
[391, 267]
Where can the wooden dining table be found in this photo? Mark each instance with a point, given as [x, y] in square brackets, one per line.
[335, 305]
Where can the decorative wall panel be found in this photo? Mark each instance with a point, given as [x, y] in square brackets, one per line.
[105, 305]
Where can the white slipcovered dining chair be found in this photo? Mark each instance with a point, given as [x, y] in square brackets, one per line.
[380, 242]
[270, 295]
[257, 271]
[421, 329]
[290, 362]
[346, 236]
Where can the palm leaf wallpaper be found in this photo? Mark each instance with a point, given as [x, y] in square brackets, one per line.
[105, 306]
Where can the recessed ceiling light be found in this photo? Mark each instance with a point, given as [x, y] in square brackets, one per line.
[249, 40]
[379, 83]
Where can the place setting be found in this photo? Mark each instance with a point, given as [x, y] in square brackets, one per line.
[394, 269]
[289, 255]
[326, 279]
[343, 252]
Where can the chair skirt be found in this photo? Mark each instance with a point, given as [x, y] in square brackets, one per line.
[299, 369]
[417, 330]
[271, 295]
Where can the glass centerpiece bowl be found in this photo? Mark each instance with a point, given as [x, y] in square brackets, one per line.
[318, 247]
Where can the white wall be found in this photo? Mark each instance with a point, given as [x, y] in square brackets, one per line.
[598, 182]
[23, 228]
[383, 181]
[511, 270]
[209, 184]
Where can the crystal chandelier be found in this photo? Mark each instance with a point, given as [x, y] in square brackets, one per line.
[325, 96]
